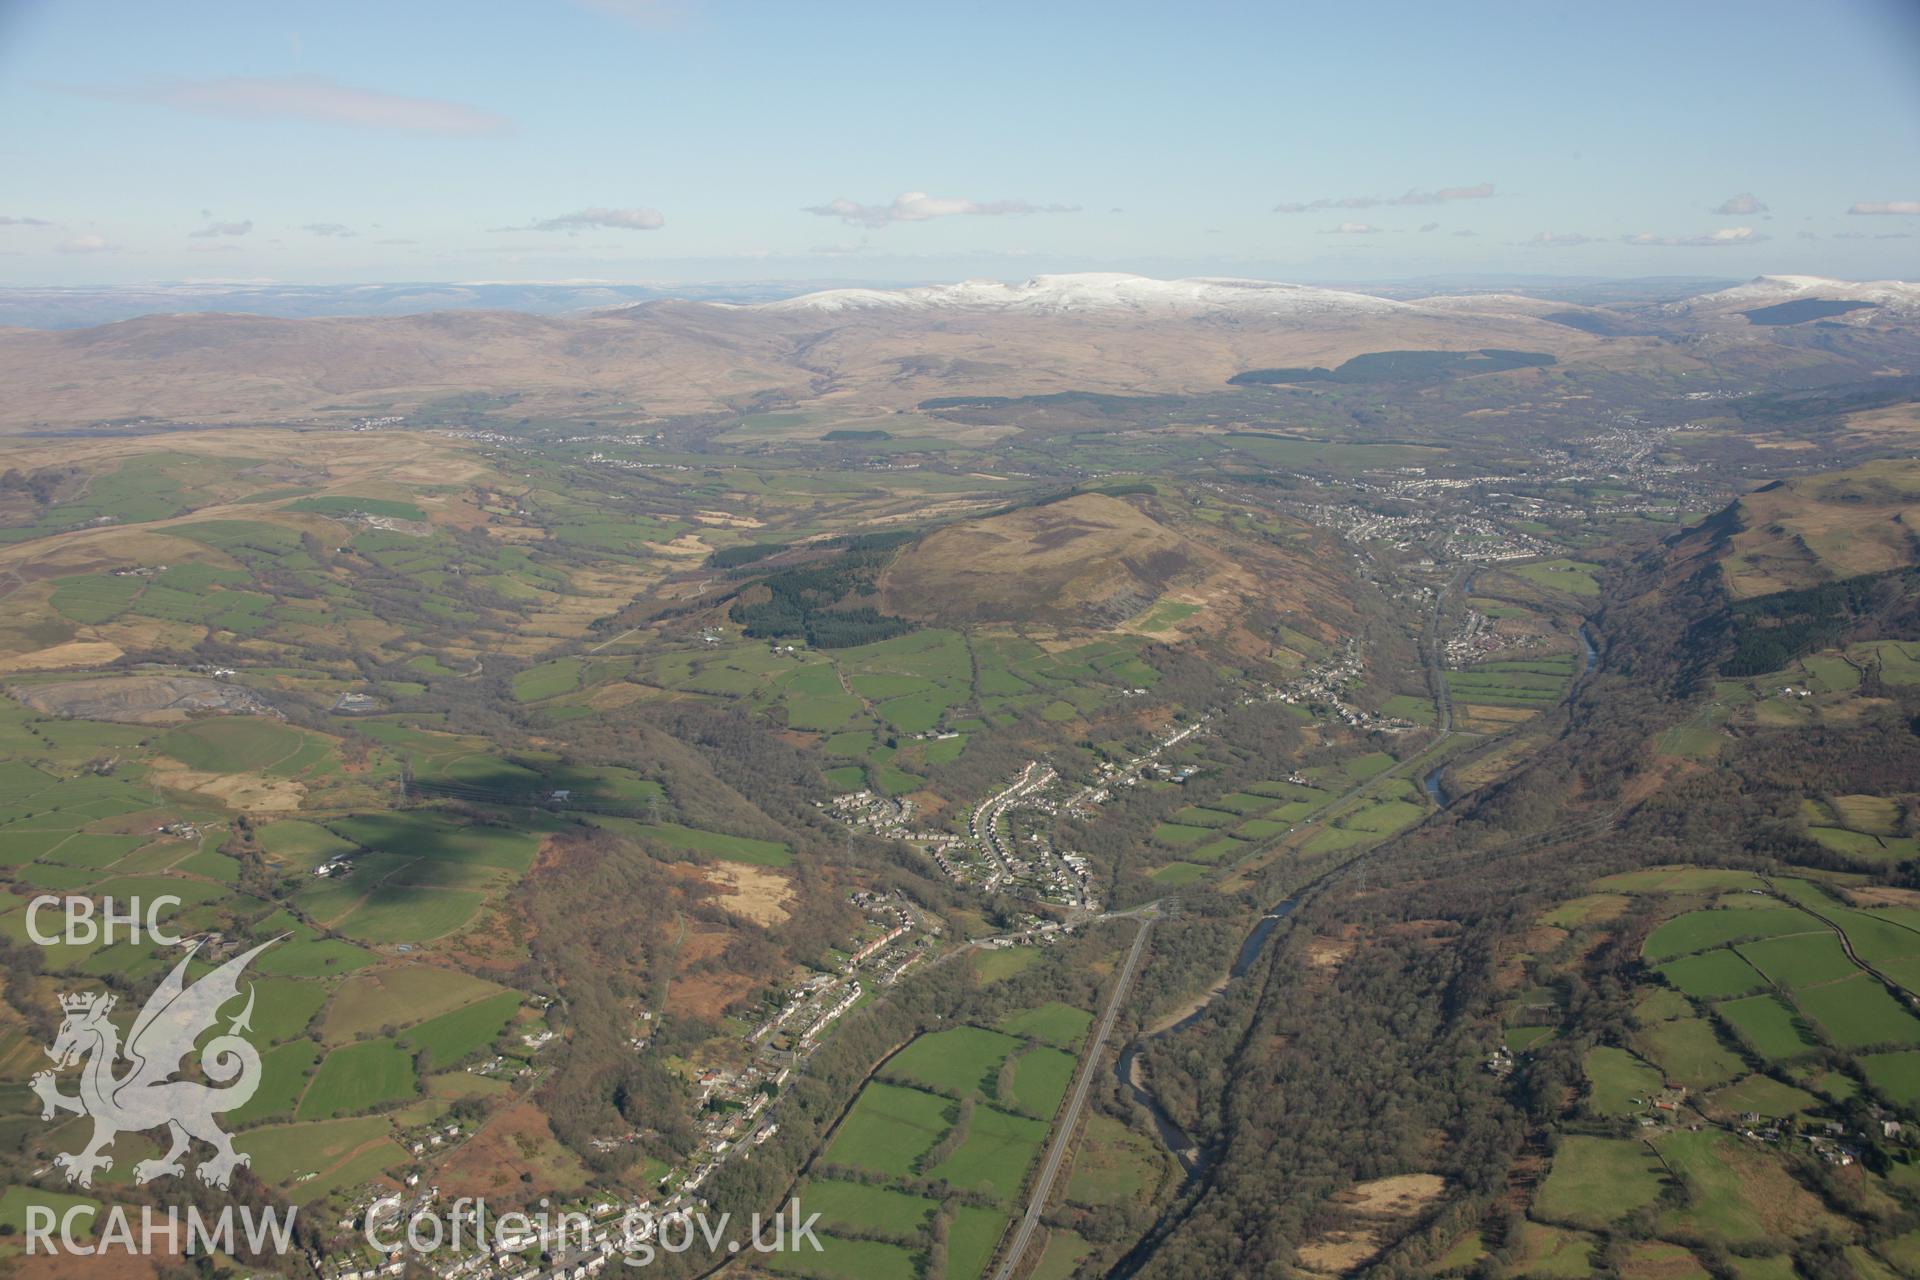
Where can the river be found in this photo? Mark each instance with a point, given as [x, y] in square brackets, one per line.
[1592, 654]
[1132, 1073]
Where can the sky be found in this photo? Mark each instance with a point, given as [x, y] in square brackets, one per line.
[662, 141]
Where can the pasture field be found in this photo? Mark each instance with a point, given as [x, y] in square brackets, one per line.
[1596, 1181]
[1532, 683]
[841, 1258]
[419, 834]
[414, 913]
[1554, 1253]
[283, 1076]
[285, 1006]
[962, 1061]
[1865, 846]
[1040, 1080]
[1700, 930]
[1713, 975]
[452, 1037]
[1112, 1164]
[1737, 1195]
[232, 744]
[998, 965]
[971, 1240]
[1175, 874]
[358, 1077]
[1370, 822]
[764, 853]
[1575, 577]
[15, 1200]
[1664, 880]
[861, 1206]
[1687, 1050]
[1884, 940]
[1520, 1039]
[1060, 1025]
[283, 1152]
[1895, 1074]
[1799, 960]
[1765, 1096]
[1616, 1078]
[890, 1128]
[1768, 1025]
[1856, 1012]
[1178, 836]
[993, 1159]
[399, 996]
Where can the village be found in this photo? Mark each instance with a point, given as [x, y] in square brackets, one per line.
[735, 1102]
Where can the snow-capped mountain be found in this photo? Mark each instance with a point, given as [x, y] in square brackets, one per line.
[1098, 293]
[1901, 297]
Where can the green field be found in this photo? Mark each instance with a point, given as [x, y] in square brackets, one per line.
[1768, 1025]
[1736, 1195]
[1687, 1050]
[548, 680]
[1712, 975]
[1575, 577]
[1699, 930]
[889, 1129]
[994, 1157]
[971, 1240]
[861, 1206]
[1764, 1096]
[1617, 1078]
[1040, 1081]
[1596, 1181]
[1856, 1012]
[232, 744]
[454, 1036]
[398, 997]
[840, 1258]
[357, 1078]
[1895, 1074]
[1060, 1025]
[962, 1061]
[1799, 960]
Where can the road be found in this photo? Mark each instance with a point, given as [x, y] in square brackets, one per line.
[1070, 1118]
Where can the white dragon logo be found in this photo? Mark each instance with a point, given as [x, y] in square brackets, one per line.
[148, 1096]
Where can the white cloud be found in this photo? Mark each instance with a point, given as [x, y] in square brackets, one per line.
[224, 247]
[319, 100]
[1558, 240]
[1352, 229]
[1711, 240]
[24, 222]
[635, 219]
[1479, 191]
[1466, 233]
[1431, 226]
[214, 229]
[1910, 208]
[339, 230]
[1743, 205]
[396, 240]
[918, 206]
[86, 244]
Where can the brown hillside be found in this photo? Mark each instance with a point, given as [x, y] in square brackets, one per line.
[1815, 529]
[1092, 562]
